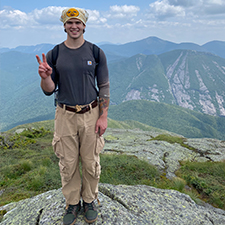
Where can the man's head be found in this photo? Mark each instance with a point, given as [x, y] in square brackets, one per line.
[77, 13]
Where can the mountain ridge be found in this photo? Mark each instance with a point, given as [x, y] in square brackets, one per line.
[149, 45]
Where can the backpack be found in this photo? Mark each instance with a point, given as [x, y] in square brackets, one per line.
[55, 52]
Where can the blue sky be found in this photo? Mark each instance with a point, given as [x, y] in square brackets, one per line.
[25, 22]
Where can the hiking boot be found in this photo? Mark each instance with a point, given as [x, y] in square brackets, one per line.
[90, 212]
[71, 213]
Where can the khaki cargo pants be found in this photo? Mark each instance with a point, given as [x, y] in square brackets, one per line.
[75, 137]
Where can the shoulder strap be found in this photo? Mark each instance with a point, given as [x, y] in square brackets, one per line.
[55, 52]
[96, 53]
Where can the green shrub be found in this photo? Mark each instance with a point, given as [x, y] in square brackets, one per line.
[12, 141]
[34, 133]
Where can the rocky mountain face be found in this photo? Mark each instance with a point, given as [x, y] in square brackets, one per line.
[122, 204]
[193, 80]
[196, 82]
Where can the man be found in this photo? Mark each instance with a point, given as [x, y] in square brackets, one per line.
[81, 113]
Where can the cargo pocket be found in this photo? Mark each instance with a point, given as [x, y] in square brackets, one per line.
[93, 169]
[58, 149]
[57, 146]
[97, 170]
[100, 142]
[62, 170]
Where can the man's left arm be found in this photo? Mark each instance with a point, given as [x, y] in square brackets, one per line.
[102, 75]
[101, 124]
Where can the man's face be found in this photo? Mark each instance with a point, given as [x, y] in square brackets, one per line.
[74, 28]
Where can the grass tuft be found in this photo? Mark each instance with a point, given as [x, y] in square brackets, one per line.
[125, 169]
[172, 139]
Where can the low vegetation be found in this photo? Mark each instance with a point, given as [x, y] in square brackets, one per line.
[173, 139]
[207, 179]
[29, 167]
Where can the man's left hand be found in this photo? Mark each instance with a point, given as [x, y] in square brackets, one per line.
[101, 125]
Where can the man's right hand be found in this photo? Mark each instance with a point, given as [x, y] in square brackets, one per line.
[44, 69]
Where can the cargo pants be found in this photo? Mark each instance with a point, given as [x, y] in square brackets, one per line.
[75, 138]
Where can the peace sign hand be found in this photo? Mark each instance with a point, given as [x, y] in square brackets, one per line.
[44, 69]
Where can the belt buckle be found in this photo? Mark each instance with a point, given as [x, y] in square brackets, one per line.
[78, 108]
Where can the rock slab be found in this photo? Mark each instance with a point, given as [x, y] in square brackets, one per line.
[165, 156]
[119, 205]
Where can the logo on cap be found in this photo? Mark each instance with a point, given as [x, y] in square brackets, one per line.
[72, 13]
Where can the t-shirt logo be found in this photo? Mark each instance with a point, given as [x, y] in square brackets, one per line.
[89, 63]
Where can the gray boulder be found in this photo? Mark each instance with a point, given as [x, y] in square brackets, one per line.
[119, 205]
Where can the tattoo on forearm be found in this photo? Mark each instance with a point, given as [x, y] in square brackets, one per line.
[103, 105]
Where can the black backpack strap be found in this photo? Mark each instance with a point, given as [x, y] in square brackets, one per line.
[55, 52]
[96, 51]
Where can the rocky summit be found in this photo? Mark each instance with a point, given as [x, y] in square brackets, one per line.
[123, 204]
[118, 205]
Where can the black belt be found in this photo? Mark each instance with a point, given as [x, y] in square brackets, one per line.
[79, 109]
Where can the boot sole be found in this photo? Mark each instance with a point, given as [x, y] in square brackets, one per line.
[71, 223]
[90, 221]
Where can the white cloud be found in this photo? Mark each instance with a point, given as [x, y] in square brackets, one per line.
[213, 7]
[46, 17]
[175, 20]
[197, 3]
[183, 3]
[49, 15]
[163, 10]
[12, 18]
[95, 17]
[124, 11]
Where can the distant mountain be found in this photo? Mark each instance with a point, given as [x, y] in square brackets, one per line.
[103, 43]
[156, 46]
[216, 47]
[191, 79]
[21, 97]
[33, 49]
[147, 46]
[188, 78]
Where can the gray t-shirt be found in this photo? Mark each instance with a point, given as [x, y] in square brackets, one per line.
[76, 76]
